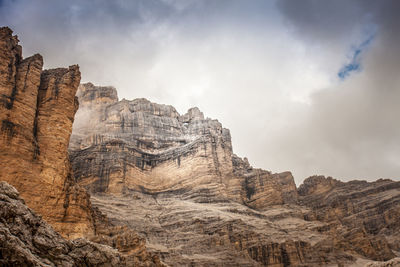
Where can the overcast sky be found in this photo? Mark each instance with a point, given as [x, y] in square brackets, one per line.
[310, 86]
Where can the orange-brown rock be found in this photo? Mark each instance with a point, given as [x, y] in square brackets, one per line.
[37, 112]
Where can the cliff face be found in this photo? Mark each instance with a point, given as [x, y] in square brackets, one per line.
[36, 112]
[175, 180]
[159, 172]
[361, 209]
[122, 146]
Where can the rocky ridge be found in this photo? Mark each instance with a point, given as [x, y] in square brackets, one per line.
[174, 179]
[120, 146]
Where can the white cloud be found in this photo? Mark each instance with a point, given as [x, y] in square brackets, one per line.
[268, 74]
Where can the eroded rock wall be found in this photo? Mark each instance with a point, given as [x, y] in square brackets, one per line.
[365, 214]
[27, 240]
[37, 111]
[175, 180]
[122, 146]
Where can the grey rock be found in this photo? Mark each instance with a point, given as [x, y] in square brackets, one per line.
[26, 240]
[175, 180]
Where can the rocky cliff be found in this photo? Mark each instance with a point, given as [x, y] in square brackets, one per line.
[122, 146]
[360, 209]
[174, 179]
[27, 240]
[37, 111]
[167, 180]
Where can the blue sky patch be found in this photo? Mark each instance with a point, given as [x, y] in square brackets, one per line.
[355, 59]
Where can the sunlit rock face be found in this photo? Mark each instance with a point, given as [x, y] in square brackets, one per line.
[175, 180]
[37, 110]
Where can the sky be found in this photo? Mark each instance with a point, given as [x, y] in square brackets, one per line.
[307, 86]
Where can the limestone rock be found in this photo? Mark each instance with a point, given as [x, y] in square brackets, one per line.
[175, 180]
[117, 147]
[367, 213]
[125, 240]
[187, 233]
[89, 94]
[36, 112]
[392, 263]
[27, 240]
[192, 115]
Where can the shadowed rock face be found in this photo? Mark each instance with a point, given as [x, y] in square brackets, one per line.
[361, 208]
[175, 180]
[27, 240]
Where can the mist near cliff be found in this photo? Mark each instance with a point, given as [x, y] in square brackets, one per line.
[307, 86]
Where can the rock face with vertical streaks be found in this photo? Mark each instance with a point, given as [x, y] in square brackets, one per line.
[122, 146]
[175, 180]
[37, 110]
[362, 209]
[163, 179]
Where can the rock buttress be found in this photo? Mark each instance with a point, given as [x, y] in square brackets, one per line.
[175, 180]
[37, 112]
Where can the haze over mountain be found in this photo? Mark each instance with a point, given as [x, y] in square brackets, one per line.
[311, 86]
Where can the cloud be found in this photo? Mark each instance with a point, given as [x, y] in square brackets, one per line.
[349, 130]
[268, 70]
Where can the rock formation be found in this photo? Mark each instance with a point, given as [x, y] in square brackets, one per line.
[27, 240]
[174, 179]
[392, 263]
[361, 209]
[122, 146]
[37, 110]
[163, 179]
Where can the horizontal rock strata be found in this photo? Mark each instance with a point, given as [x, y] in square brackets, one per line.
[368, 213]
[121, 146]
[174, 179]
